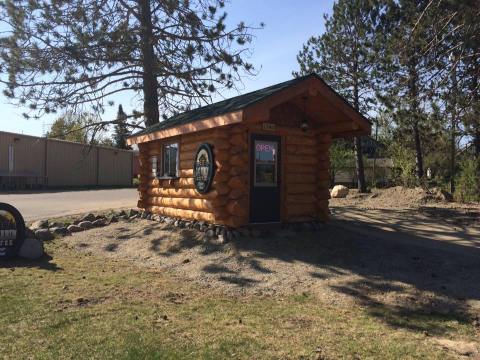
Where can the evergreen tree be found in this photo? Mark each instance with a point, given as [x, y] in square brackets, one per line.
[61, 54]
[344, 57]
[121, 130]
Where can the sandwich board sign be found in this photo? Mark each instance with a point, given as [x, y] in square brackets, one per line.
[12, 231]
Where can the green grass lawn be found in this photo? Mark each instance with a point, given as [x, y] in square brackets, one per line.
[82, 306]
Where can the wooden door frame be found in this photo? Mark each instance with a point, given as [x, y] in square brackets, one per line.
[280, 174]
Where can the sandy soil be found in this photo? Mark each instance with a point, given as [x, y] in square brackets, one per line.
[338, 264]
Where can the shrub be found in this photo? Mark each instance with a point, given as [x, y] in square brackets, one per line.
[404, 162]
[468, 182]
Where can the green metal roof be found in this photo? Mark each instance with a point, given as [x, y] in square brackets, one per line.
[222, 107]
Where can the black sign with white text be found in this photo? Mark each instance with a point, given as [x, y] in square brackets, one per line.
[12, 231]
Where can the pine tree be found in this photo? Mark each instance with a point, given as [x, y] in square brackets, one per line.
[121, 130]
[72, 54]
[344, 57]
[408, 27]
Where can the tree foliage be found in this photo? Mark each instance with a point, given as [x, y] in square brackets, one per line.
[121, 132]
[77, 128]
[74, 55]
[344, 57]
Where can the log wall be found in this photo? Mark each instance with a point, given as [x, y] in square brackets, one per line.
[305, 176]
[224, 204]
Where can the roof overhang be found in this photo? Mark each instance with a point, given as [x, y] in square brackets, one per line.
[353, 123]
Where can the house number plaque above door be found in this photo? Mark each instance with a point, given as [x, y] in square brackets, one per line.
[203, 168]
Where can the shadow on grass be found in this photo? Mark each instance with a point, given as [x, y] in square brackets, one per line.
[44, 263]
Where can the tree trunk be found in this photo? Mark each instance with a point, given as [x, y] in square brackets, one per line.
[359, 165]
[418, 151]
[413, 95]
[476, 143]
[150, 84]
[357, 142]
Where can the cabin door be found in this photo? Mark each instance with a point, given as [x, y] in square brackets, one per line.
[265, 178]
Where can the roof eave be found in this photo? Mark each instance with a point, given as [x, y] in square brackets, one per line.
[205, 124]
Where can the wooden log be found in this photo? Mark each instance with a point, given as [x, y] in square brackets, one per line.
[186, 164]
[324, 184]
[237, 182]
[238, 208]
[204, 136]
[221, 176]
[236, 171]
[301, 149]
[301, 199]
[323, 165]
[182, 203]
[323, 194]
[221, 155]
[300, 140]
[301, 169]
[185, 173]
[323, 175]
[220, 201]
[222, 188]
[295, 178]
[238, 160]
[238, 139]
[183, 193]
[324, 138]
[302, 189]
[301, 210]
[237, 149]
[301, 160]
[187, 155]
[182, 213]
[222, 166]
[237, 194]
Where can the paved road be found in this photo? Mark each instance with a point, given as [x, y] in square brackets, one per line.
[34, 206]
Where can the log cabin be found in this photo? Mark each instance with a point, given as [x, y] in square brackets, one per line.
[257, 158]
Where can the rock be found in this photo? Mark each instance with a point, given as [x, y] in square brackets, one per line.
[74, 228]
[221, 239]
[40, 224]
[31, 249]
[60, 231]
[29, 233]
[339, 191]
[123, 217]
[43, 234]
[136, 216]
[86, 225]
[443, 195]
[99, 222]
[122, 213]
[210, 233]
[112, 219]
[255, 233]
[132, 212]
[55, 224]
[88, 217]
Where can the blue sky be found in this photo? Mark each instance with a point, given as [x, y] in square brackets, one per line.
[289, 24]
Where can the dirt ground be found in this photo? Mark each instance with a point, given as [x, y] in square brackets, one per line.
[411, 257]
